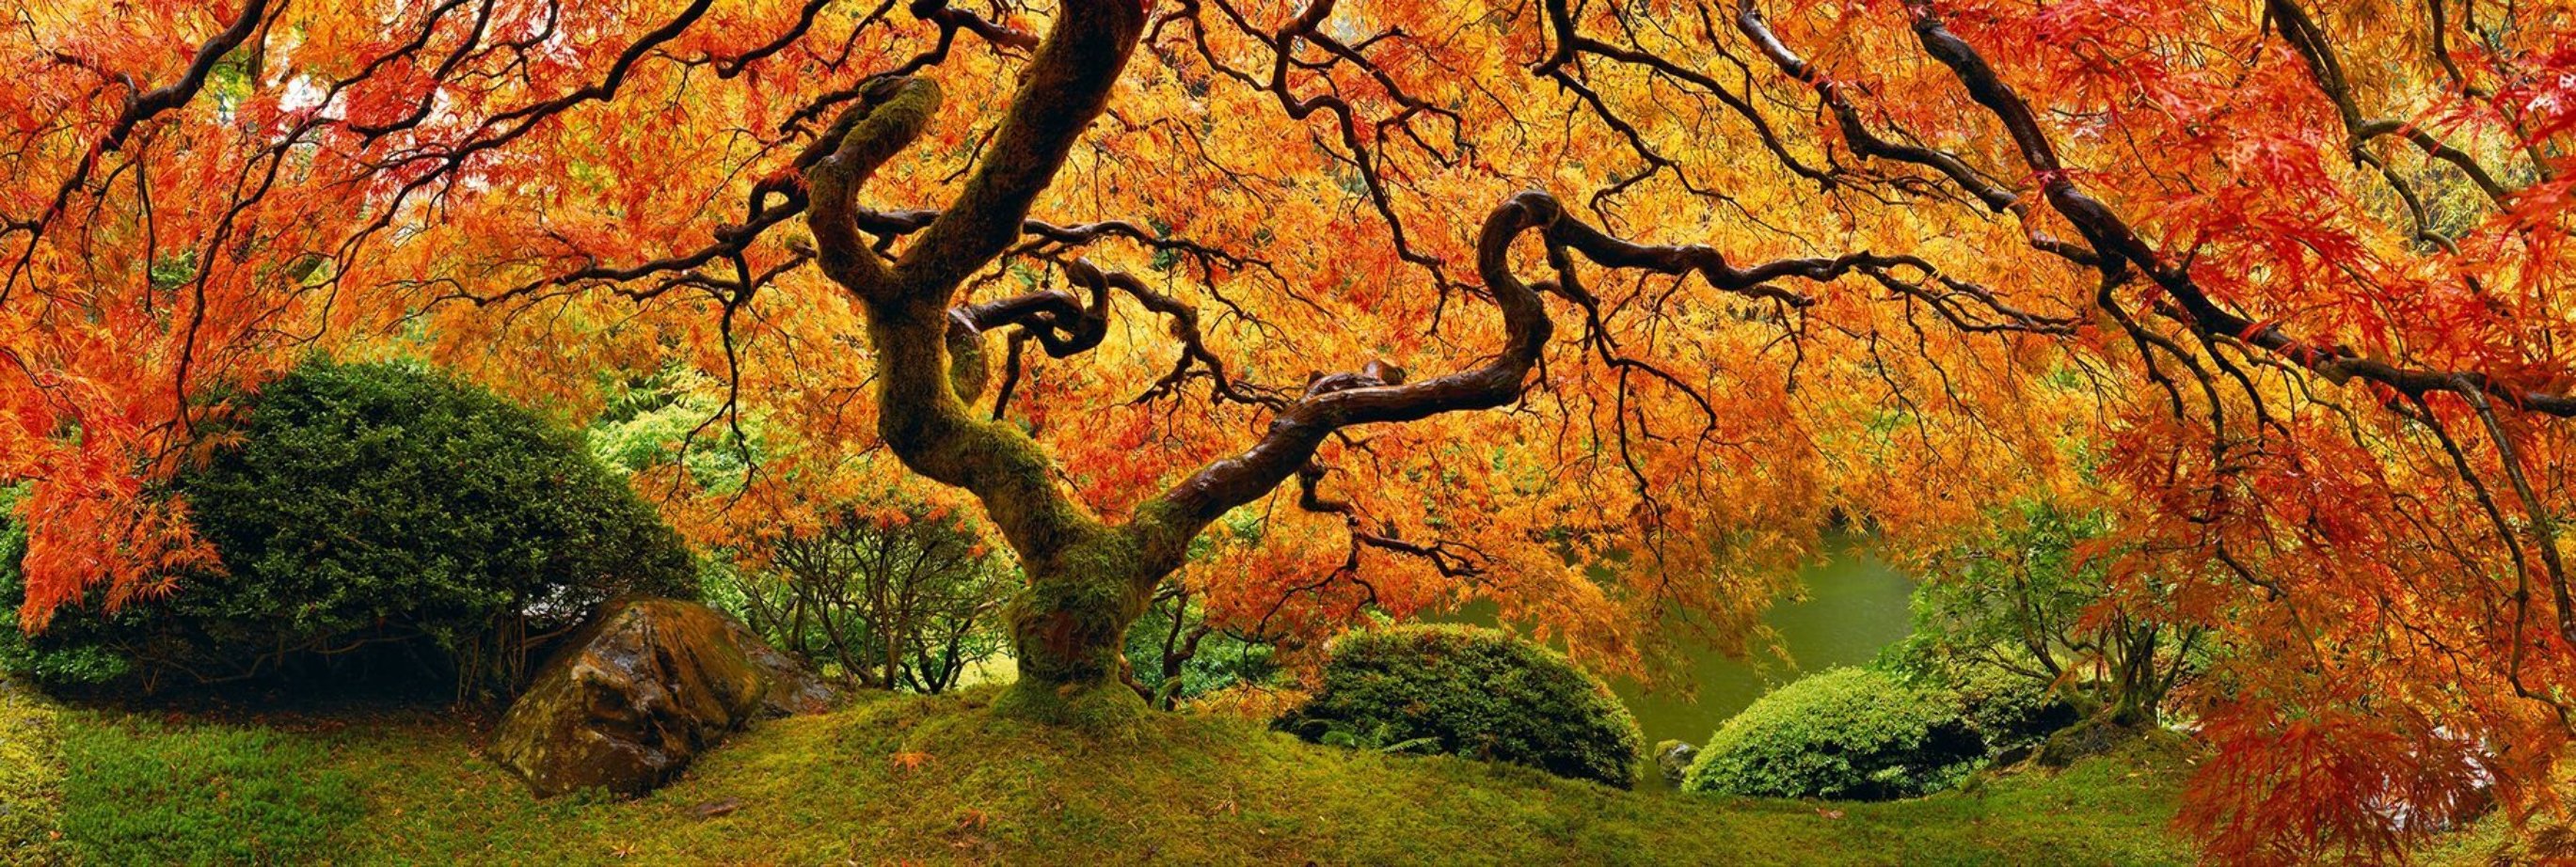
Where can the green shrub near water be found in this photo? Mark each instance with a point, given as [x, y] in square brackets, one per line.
[1471, 692]
[1847, 733]
[385, 507]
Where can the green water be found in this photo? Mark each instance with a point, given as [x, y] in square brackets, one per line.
[1855, 605]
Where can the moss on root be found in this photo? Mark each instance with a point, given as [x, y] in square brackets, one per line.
[1069, 628]
[1102, 708]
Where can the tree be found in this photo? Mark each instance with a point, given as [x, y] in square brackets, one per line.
[897, 598]
[2035, 600]
[2296, 271]
[1174, 654]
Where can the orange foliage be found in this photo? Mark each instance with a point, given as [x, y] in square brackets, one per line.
[2286, 289]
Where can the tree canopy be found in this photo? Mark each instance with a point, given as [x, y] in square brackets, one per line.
[1595, 310]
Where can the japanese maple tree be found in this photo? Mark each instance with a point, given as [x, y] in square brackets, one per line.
[1597, 311]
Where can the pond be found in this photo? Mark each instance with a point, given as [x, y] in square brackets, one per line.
[1855, 605]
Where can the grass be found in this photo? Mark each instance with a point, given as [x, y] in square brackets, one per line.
[936, 780]
[146, 792]
[2496, 840]
[31, 779]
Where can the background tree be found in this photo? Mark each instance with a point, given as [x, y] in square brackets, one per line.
[898, 599]
[2297, 271]
[2034, 600]
[1174, 653]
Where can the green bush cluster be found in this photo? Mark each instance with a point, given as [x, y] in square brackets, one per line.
[1847, 733]
[378, 521]
[1470, 692]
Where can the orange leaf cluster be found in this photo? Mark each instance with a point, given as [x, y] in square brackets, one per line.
[2286, 289]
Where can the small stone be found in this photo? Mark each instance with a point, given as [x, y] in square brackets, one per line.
[716, 809]
[1674, 759]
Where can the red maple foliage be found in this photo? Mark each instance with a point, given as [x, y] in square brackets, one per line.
[2281, 288]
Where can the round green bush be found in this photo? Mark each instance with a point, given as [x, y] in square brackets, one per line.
[1847, 733]
[1470, 692]
[381, 521]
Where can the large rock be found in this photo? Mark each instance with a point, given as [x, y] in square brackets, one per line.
[641, 690]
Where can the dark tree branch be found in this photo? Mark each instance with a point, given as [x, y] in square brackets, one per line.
[2118, 245]
[1167, 523]
[138, 108]
[1066, 86]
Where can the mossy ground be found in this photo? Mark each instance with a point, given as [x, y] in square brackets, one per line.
[31, 779]
[941, 780]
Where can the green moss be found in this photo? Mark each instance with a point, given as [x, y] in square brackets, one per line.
[1069, 627]
[31, 779]
[939, 780]
[2497, 839]
[1095, 708]
[892, 126]
[144, 792]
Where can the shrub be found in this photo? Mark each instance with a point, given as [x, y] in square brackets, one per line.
[389, 509]
[55, 663]
[1470, 692]
[1847, 733]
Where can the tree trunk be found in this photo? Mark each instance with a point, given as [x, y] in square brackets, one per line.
[1069, 632]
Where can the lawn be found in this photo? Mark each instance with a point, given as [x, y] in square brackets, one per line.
[903, 779]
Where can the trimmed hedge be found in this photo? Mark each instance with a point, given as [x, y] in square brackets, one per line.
[378, 521]
[1847, 733]
[1470, 692]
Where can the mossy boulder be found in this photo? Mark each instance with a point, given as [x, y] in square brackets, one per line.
[1673, 758]
[2093, 736]
[640, 691]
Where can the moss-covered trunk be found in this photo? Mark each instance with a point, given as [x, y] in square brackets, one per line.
[1069, 631]
[1087, 581]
